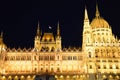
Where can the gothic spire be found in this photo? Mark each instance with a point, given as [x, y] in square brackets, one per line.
[58, 29]
[97, 11]
[86, 15]
[38, 30]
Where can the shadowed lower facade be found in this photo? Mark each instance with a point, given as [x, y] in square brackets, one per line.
[98, 58]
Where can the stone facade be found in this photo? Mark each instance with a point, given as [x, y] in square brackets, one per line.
[99, 57]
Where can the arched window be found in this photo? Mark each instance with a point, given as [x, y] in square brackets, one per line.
[47, 48]
[104, 66]
[117, 67]
[45, 40]
[110, 66]
[58, 69]
[96, 55]
[98, 66]
[42, 49]
[52, 49]
[90, 66]
[50, 39]
[89, 54]
[58, 57]
[69, 57]
[52, 70]
[46, 57]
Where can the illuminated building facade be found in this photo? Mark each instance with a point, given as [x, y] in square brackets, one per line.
[99, 57]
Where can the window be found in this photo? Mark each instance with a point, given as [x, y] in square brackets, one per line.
[69, 57]
[40, 57]
[90, 60]
[35, 69]
[58, 69]
[58, 57]
[98, 60]
[74, 57]
[41, 69]
[109, 60]
[89, 54]
[47, 49]
[96, 50]
[50, 40]
[104, 67]
[34, 57]
[103, 60]
[113, 56]
[90, 66]
[12, 58]
[22, 57]
[45, 40]
[80, 57]
[17, 57]
[46, 57]
[98, 66]
[115, 60]
[52, 57]
[117, 67]
[96, 55]
[110, 66]
[51, 69]
[64, 57]
[52, 49]
[28, 57]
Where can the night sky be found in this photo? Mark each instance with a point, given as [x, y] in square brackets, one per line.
[19, 18]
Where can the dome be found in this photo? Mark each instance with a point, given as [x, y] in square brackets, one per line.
[48, 37]
[99, 22]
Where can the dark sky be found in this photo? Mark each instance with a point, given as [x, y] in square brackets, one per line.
[19, 18]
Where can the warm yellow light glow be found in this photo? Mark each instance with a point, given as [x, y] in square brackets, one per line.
[61, 76]
[68, 76]
[98, 56]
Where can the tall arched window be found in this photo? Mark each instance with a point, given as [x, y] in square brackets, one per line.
[52, 49]
[89, 54]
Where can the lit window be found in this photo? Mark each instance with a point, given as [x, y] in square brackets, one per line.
[103, 60]
[69, 57]
[74, 57]
[52, 57]
[40, 57]
[109, 60]
[98, 60]
[80, 57]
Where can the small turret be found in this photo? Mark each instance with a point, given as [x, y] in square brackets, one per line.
[97, 12]
[58, 30]
[38, 30]
[37, 37]
[58, 38]
[86, 31]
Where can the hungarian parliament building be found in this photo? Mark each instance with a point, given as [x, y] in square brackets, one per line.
[97, 59]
